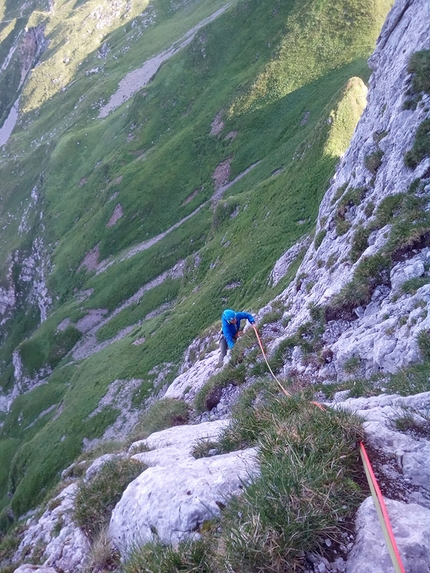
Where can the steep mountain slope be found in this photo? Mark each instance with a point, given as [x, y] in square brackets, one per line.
[118, 247]
[355, 317]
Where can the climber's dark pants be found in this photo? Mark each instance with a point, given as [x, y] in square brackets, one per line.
[222, 346]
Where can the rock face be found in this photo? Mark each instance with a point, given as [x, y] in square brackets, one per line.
[177, 493]
[189, 383]
[379, 333]
[411, 529]
[403, 475]
[65, 546]
[171, 499]
[407, 453]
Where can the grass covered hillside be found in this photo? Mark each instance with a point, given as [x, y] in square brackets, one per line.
[126, 229]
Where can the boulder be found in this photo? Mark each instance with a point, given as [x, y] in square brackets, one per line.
[171, 503]
[175, 444]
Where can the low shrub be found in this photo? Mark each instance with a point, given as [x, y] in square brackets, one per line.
[319, 238]
[423, 340]
[359, 243]
[370, 272]
[421, 146]
[419, 66]
[412, 285]
[388, 208]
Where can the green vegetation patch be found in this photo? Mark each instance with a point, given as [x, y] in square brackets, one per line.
[135, 313]
[410, 229]
[370, 272]
[187, 557]
[419, 66]
[164, 414]
[421, 146]
[352, 197]
[97, 497]
[47, 347]
[302, 449]
[308, 489]
[373, 161]
[359, 243]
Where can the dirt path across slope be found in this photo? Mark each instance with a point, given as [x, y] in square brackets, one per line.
[137, 79]
[104, 265]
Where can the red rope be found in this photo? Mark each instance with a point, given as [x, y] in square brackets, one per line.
[382, 512]
[378, 500]
[267, 362]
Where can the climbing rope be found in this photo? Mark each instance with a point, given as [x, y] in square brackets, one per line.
[320, 406]
[267, 362]
[382, 512]
[378, 500]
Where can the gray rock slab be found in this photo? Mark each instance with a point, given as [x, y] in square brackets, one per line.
[34, 568]
[411, 452]
[189, 383]
[170, 503]
[411, 528]
[66, 546]
[175, 444]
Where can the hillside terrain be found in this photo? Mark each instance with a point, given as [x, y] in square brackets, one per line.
[162, 161]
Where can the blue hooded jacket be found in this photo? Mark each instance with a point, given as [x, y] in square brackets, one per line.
[230, 330]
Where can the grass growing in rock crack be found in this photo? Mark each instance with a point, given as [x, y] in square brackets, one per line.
[102, 557]
[413, 421]
[163, 414]
[186, 557]
[307, 490]
[96, 498]
[307, 487]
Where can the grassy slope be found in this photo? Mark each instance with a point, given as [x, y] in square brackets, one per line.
[82, 162]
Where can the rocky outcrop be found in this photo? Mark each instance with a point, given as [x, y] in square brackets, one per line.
[169, 500]
[34, 270]
[64, 545]
[405, 471]
[411, 529]
[32, 47]
[380, 330]
[172, 498]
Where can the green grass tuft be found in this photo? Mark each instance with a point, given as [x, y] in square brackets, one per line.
[421, 147]
[163, 414]
[97, 497]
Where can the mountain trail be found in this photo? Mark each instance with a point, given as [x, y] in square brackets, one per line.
[137, 79]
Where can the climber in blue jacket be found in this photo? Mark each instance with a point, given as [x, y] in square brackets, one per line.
[230, 329]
